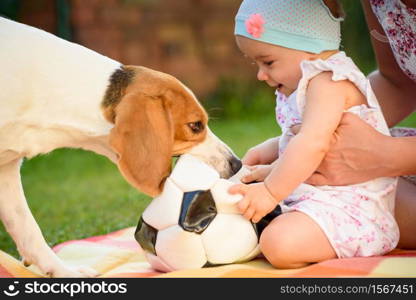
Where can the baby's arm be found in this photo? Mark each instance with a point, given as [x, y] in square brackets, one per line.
[326, 101]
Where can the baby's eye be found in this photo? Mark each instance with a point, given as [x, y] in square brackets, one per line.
[268, 63]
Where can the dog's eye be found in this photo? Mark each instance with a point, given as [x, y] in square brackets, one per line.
[196, 127]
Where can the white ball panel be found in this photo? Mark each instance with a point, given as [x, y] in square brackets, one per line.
[180, 249]
[256, 251]
[157, 263]
[225, 202]
[229, 238]
[164, 210]
[192, 174]
[236, 178]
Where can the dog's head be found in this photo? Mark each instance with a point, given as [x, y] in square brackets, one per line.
[157, 117]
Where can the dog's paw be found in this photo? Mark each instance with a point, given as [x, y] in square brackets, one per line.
[73, 272]
[87, 271]
[45, 261]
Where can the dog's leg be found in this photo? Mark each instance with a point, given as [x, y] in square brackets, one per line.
[19, 222]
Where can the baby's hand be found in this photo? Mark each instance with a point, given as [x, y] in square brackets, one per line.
[257, 201]
[253, 156]
[258, 173]
[263, 153]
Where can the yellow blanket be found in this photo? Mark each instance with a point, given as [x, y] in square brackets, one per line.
[118, 255]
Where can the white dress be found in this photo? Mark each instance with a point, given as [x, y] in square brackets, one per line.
[357, 219]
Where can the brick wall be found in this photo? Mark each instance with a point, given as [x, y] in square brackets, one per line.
[190, 39]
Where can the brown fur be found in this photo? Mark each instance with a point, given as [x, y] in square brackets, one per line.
[151, 125]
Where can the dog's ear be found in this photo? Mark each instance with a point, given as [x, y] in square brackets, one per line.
[143, 139]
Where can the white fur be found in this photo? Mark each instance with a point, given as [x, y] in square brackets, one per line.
[51, 91]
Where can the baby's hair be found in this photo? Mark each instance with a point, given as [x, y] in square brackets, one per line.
[335, 7]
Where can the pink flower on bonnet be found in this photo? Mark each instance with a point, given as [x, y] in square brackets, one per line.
[254, 25]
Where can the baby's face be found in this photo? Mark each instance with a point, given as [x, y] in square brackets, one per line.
[278, 66]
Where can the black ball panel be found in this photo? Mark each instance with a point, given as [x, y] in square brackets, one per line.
[259, 226]
[146, 236]
[197, 211]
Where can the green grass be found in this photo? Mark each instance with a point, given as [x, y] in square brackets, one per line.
[408, 122]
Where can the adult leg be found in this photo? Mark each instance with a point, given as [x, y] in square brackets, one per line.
[405, 213]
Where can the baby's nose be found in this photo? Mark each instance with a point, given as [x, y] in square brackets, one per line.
[261, 75]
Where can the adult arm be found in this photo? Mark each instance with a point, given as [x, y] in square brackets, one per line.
[360, 153]
[394, 90]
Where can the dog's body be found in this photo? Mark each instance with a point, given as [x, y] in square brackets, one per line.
[58, 94]
[51, 92]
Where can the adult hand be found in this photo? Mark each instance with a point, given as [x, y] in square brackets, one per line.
[357, 154]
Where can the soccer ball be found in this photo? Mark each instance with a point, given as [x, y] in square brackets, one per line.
[195, 222]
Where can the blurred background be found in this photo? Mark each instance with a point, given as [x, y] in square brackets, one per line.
[75, 194]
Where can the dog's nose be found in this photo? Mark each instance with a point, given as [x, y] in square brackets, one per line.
[235, 164]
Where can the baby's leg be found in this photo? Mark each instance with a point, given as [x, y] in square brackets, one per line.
[293, 240]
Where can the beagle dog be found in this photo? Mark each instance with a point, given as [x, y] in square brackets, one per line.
[58, 94]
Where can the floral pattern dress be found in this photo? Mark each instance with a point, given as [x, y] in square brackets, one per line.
[399, 24]
[357, 219]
